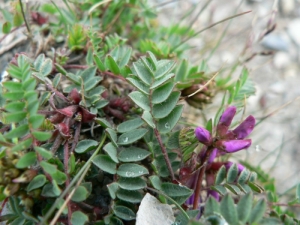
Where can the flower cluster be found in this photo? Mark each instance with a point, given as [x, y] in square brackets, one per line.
[227, 141]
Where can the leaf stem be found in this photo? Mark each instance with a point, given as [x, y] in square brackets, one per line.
[200, 178]
[165, 153]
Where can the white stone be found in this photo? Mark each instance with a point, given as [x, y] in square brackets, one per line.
[152, 212]
[282, 60]
[294, 30]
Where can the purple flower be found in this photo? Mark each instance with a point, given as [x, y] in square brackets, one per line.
[213, 194]
[239, 166]
[225, 120]
[232, 145]
[203, 135]
[245, 128]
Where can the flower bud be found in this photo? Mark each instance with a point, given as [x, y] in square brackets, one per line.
[203, 135]
[225, 120]
[233, 145]
[74, 96]
[245, 128]
[213, 155]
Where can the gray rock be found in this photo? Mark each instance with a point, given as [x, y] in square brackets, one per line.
[275, 42]
[152, 212]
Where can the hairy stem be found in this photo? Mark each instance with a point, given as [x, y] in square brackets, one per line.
[200, 178]
[165, 153]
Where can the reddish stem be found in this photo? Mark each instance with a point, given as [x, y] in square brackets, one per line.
[200, 178]
[66, 166]
[3, 205]
[165, 154]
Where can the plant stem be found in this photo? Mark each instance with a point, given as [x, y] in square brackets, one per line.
[200, 178]
[66, 167]
[284, 204]
[3, 205]
[206, 28]
[24, 17]
[79, 176]
[165, 153]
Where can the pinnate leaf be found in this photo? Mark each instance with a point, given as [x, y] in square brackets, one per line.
[36, 182]
[228, 210]
[166, 124]
[105, 163]
[131, 136]
[26, 160]
[131, 170]
[163, 109]
[79, 218]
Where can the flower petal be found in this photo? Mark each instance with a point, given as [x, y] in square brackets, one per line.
[213, 155]
[86, 115]
[245, 128]
[225, 120]
[203, 135]
[213, 194]
[233, 145]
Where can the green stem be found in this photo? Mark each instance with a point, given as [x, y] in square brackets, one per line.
[78, 175]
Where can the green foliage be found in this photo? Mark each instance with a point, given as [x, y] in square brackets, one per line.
[246, 211]
[235, 182]
[109, 130]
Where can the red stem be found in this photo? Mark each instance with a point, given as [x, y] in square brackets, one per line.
[3, 205]
[200, 178]
[66, 166]
[165, 154]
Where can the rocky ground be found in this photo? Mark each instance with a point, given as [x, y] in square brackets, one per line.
[277, 77]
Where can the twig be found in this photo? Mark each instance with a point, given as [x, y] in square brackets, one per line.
[24, 17]
[204, 86]
[210, 26]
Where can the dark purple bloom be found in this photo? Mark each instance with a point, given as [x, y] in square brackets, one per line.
[245, 128]
[203, 135]
[214, 194]
[232, 145]
[239, 166]
[225, 120]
